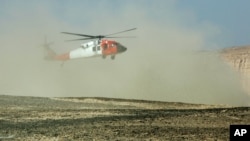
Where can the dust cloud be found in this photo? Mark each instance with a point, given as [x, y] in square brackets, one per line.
[162, 63]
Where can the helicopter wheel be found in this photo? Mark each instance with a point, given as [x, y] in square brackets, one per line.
[113, 57]
[103, 57]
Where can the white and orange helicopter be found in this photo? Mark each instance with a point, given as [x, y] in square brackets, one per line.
[98, 47]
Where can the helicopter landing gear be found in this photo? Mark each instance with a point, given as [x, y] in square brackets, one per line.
[113, 57]
[104, 57]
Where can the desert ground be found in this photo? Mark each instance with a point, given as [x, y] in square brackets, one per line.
[86, 118]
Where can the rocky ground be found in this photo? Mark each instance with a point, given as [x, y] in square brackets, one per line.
[34, 118]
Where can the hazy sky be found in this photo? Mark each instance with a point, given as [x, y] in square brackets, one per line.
[228, 17]
[162, 63]
[231, 16]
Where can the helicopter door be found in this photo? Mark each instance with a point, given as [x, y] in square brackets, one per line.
[97, 49]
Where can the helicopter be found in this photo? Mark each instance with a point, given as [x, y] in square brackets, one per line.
[97, 47]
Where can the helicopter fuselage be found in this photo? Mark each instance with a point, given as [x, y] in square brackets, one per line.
[92, 49]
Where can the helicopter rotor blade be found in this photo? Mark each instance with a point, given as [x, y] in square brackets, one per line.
[84, 35]
[121, 37]
[121, 32]
[99, 36]
[79, 39]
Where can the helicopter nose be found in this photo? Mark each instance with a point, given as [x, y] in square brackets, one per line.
[121, 48]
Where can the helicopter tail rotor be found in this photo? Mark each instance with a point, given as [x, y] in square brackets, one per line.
[48, 52]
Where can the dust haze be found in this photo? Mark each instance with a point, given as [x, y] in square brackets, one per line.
[162, 63]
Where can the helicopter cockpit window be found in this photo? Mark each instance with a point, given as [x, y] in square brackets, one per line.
[98, 48]
[94, 48]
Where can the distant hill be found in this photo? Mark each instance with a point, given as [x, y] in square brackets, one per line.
[238, 57]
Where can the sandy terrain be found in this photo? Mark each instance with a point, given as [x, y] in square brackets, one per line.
[34, 118]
